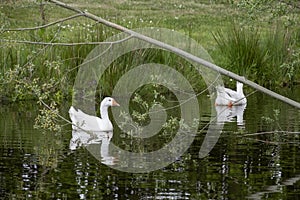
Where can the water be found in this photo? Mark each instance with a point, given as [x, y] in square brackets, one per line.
[257, 158]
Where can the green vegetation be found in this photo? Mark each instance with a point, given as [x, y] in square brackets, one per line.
[257, 39]
[268, 58]
[265, 42]
[252, 38]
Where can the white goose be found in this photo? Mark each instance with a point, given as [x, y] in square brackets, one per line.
[81, 120]
[228, 97]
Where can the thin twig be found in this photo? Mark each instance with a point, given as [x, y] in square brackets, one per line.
[49, 108]
[103, 52]
[236, 102]
[272, 142]
[187, 100]
[61, 117]
[43, 26]
[269, 132]
[54, 44]
[41, 50]
[178, 51]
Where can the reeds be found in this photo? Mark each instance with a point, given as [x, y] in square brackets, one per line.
[258, 54]
[266, 56]
[45, 62]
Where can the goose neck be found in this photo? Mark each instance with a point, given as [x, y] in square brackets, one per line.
[104, 112]
[240, 89]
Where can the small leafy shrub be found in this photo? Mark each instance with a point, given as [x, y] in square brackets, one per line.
[291, 68]
[48, 119]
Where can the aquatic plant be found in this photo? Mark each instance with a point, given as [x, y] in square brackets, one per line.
[263, 56]
[243, 51]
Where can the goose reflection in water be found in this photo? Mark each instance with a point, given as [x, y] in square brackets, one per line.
[227, 114]
[97, 142]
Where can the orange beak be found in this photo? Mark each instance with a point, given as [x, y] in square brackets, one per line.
[114, 103]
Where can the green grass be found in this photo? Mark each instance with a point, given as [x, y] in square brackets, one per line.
[256, 54]
[260, 56]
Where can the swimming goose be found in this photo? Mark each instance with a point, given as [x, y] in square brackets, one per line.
[228, 97]
[81, 120]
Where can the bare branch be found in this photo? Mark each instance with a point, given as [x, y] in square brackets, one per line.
[43, 26]
[63, 118]
[95, 18]
[61, 44]
[272, 142]
[269, 132]
[181, 53]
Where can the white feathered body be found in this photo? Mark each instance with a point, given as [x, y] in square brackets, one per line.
[228, 97]
[81, 120]
[86, 122]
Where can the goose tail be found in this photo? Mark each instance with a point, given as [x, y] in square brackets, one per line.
[72, 110]
[72, 113]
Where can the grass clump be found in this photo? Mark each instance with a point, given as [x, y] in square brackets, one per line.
[268, 56]
[264, 56]
[241, 49]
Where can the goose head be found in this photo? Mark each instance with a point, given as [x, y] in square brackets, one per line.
[109, 101]
[106, 102]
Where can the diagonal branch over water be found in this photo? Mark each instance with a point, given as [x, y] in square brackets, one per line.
[180, 52]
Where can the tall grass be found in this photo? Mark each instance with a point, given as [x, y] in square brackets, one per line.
[45, 63]
[262, 56]
[255, 53]
[242, 50]
[143, 56]
[58, 65]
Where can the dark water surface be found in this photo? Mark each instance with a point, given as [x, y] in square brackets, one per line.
[259, 159]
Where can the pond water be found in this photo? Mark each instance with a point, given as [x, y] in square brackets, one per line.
[256, 158]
